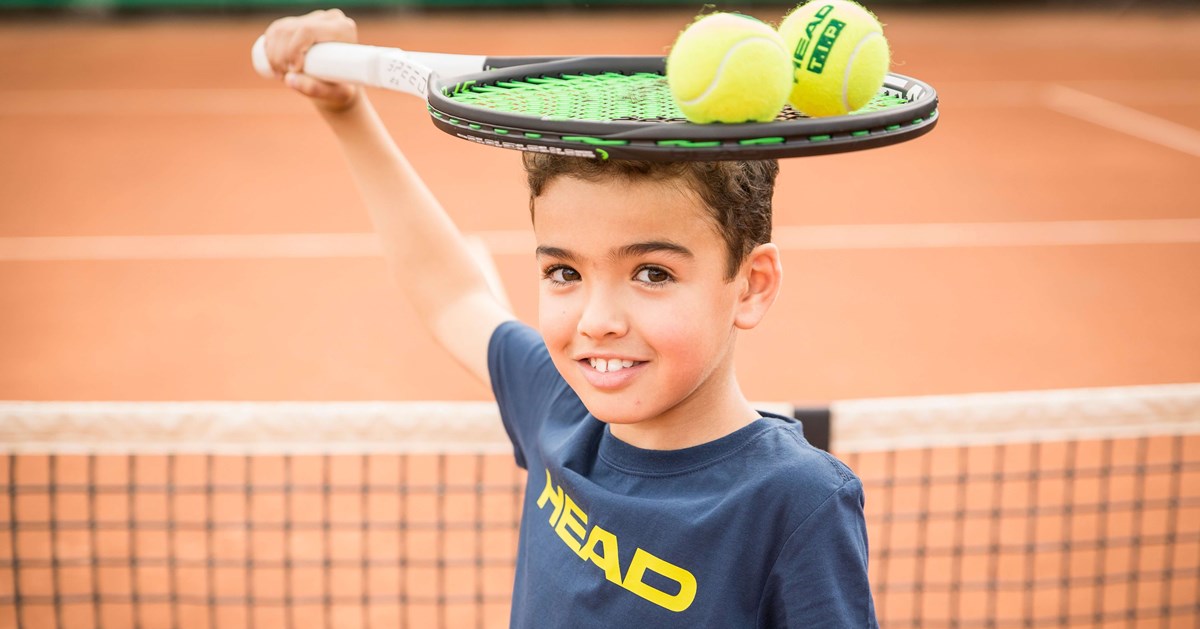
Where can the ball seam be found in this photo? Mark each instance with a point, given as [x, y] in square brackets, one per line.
[850, 67]
[712, 85]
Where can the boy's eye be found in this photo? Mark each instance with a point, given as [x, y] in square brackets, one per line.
[562, 274]
[652, 275]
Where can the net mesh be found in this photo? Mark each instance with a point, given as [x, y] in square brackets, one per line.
[1056, 509]
[611, 96]
[1068, 509]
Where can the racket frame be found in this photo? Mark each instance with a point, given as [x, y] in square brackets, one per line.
[668, 140]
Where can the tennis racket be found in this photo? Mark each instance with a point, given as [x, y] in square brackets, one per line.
[605, 107]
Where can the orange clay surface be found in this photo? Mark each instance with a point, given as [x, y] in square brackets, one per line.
[1046, 235]
[158, 127]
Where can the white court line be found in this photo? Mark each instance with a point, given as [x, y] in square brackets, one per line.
[518, 242]
[957, 235]
[1010, 94]
[1122, 119]
[150, 102]
[219, 247]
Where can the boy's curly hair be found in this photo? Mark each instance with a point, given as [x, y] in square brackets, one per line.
[736, 194]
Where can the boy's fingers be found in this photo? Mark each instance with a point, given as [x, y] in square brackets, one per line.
[306, 85]
[270, 47]
[277, 36]
[301, 40]
[332, 94]
[316, 26]
[287, 41]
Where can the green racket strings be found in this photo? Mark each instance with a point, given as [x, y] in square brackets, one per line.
[610, 96]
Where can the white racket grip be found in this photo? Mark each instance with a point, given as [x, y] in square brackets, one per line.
[375, 66]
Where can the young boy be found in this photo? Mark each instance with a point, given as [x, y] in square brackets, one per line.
[657, 496]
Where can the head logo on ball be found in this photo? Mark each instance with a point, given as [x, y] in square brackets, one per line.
[839, 59]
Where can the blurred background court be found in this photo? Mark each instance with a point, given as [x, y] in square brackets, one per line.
[174, 229]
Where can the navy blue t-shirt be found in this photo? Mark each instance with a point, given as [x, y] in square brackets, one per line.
[755, 529]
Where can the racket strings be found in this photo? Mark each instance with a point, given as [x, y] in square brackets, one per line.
[885, 99]
[608, 96]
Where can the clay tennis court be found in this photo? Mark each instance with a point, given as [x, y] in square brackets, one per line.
[176, 229]
[1044, 236]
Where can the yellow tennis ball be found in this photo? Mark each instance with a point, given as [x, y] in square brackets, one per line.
[728, 67]
[839, 56]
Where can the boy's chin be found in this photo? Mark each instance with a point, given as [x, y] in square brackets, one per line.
[615, 414]
[619, 413]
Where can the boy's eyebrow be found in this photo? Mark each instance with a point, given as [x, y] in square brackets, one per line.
[628, 251]
[653, 246]
[545, 251]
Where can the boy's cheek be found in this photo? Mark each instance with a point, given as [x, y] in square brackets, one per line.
[556, 323]
[678, 343]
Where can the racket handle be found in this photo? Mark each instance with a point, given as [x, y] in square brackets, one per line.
[374, 66]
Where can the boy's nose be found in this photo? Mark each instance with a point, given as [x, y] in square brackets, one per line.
[602, 316]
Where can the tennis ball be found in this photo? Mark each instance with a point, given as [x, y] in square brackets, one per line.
[728, 67]
[839, 56]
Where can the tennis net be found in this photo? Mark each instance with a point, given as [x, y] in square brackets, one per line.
[1048, 509]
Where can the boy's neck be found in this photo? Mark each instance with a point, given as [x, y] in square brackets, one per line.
[698, 419]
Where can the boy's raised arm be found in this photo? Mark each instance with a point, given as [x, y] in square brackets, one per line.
[427, 255]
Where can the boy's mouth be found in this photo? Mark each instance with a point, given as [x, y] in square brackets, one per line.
[609, 365]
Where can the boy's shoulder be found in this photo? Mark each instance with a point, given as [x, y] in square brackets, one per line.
[789, 472]
[783, 449]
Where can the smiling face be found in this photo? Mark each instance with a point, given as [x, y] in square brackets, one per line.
[637, 310]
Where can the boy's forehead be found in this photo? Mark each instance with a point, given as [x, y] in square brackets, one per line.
[667, 206]
[587, 222]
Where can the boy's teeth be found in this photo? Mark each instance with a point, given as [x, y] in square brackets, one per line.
[612, 364]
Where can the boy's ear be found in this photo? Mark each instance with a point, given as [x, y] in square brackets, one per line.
[761, 277]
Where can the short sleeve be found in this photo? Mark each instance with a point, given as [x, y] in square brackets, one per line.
[524, 382]
[820, 578]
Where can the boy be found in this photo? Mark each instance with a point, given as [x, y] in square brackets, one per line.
[657, 496]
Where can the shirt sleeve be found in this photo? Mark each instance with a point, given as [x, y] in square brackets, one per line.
[820, 578]
[524, 382]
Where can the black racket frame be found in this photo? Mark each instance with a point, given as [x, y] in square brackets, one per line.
[669, 141]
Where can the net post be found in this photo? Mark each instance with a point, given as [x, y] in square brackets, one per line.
[816, 421]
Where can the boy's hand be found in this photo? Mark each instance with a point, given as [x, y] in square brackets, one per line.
[288, 39]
